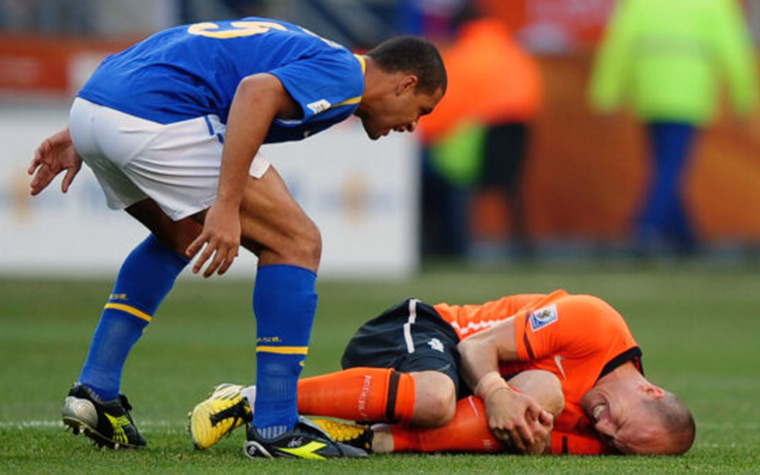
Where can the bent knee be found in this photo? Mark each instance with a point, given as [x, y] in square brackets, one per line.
[299, 244]
[312, 242]
[275, 226]
[305, 246]
[441, 409]
[435, 399]
[544, 386]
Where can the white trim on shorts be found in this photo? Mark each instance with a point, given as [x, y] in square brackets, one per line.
[408, 325]
[176, 165]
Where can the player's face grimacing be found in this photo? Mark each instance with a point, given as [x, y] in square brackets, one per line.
[399, 111]
[619, 413]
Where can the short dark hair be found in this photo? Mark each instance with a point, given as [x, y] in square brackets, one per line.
[677, 420]
[411, 54]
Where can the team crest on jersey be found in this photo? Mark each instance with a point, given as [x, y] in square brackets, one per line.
[543, 317]
[319, 106]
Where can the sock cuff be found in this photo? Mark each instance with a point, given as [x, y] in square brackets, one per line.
[287, 269]
[284, 302]
[401, 396]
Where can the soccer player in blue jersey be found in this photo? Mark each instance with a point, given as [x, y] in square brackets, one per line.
[172, 127]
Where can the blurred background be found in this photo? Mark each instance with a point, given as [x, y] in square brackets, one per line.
[550, 143]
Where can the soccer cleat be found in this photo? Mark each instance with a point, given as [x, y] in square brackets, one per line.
[359, 436]
[223, 411]
[107, 423]
[306, 440]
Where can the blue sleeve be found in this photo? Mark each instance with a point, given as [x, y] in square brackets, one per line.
[322, 82]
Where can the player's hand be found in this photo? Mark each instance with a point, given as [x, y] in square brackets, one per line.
[511, 417]
[221, 237]
[54, 155]
[542, 431]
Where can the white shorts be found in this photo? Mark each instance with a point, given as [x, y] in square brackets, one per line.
[176, 165]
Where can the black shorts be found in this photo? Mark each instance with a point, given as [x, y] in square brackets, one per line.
[408, 337]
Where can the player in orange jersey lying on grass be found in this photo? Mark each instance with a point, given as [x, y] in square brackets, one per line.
[531, 373]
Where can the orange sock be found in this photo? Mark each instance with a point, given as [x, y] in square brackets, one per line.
[578, 444]
[359, 394]
[467, 432]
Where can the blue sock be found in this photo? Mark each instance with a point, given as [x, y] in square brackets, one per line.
[146, 276]
[284, 302]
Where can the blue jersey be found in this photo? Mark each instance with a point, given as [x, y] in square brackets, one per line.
[193, 70]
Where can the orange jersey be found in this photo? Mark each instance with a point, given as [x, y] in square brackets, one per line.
[579, 338]
[490, 80]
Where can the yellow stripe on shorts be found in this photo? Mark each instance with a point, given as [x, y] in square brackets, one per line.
[130, 310]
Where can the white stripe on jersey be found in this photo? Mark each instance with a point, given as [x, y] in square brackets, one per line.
[473, 327]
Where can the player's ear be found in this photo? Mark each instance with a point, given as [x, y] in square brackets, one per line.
[655, 392]
[408, 82]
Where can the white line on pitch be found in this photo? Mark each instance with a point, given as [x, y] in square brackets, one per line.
[57, 423]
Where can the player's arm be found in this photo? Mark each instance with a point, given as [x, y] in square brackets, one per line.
[54, 155]
[511, 415]
[259, 99]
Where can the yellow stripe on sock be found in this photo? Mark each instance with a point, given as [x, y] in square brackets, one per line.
[130, 310]
[283, 350]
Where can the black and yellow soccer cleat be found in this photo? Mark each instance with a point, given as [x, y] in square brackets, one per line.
[107, 423]
[223, 411]
[306, 441]
[359, 436]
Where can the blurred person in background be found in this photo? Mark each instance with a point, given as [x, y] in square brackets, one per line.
[171, 128]
[668, 59]
[477, 143]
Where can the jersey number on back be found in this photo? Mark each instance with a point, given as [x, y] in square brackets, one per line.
[239, 28]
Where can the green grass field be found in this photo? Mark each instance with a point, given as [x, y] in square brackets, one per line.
[698, 327]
